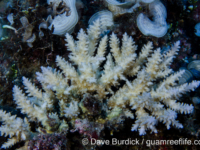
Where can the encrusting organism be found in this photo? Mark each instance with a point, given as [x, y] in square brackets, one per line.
[149, 88]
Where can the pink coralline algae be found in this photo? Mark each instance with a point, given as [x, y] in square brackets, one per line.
[90, 129]
[56, 141]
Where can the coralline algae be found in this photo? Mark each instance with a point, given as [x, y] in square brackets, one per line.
[63, 23]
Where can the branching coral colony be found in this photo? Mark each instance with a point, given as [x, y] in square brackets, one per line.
[85, 93]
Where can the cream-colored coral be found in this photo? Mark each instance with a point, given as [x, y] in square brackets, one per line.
[16, 128]
[148, 84]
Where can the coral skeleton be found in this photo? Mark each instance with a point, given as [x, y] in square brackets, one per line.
[84, 88]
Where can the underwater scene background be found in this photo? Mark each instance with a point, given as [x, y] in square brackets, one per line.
[99, 74]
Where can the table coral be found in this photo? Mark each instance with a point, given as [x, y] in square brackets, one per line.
[112, 80]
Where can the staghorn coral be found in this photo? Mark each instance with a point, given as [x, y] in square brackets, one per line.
[106, 19]
[149, 87]
[16, 128]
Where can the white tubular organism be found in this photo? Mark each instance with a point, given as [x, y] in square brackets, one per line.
[63, 23]
[157, 27]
